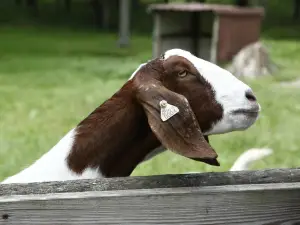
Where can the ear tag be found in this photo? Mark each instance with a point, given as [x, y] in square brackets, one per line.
[167, 110]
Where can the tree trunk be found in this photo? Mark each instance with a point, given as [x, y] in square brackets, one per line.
[201, 1]
[242, 3]
[68, 5]
[33, 5]
[18, 2]
[105, 14]
[97, 12]
[296, 9]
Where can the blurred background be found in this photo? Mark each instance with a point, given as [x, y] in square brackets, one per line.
[60, 59]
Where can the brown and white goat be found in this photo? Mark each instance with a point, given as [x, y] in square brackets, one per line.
[128, 129]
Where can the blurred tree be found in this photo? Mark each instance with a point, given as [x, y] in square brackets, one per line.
[242, 3]
[67, 5]
[96, 7]
[105, 13]
[101, 11]
[18, 2]
[33, 5]
[201, 1]
[296, 9]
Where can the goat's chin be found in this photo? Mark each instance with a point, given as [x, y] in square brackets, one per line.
[244, 121]
[233, 122]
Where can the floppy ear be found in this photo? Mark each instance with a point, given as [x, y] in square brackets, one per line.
[214, 162]
[177, 129]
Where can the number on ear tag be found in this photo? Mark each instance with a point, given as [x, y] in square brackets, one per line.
[167, 110]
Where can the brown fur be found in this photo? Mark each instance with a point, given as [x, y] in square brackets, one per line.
[118, 135]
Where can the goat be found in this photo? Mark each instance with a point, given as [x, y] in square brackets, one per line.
[171, 102]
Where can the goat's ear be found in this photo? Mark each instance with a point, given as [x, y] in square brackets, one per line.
[214, 162]
[178, 131]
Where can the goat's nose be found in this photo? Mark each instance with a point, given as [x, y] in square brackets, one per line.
[250, 96]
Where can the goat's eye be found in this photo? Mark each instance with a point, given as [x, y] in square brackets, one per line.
[182, 73]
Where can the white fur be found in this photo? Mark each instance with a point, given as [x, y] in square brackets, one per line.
[52, 166]
[133, 74]
[229, 91]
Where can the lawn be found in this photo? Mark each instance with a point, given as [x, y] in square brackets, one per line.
[51, 79]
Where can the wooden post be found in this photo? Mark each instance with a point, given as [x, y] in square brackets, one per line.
[215, 40]
[124, 22]
[156, 36]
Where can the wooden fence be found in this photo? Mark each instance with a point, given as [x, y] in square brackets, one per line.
[253, 197]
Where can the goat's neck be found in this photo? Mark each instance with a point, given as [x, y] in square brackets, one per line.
[52, 166]
[110, 142]
[114, 138]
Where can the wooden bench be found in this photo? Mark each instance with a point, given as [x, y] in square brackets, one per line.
[212, 32]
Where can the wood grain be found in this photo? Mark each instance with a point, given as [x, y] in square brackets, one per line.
[159, 181]
[231, 204]
[270, 197]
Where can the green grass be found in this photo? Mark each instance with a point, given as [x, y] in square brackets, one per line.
[51, 79]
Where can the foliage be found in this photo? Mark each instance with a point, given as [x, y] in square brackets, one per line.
[52, 13]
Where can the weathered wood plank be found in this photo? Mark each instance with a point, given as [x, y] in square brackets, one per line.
[166, 23]
[233, 204]
[159, 181]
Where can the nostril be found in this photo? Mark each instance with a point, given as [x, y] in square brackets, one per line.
[250, 96]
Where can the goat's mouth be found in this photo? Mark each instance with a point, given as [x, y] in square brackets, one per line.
[247, 112]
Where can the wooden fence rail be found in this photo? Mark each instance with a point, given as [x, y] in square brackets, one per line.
[253, 197]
